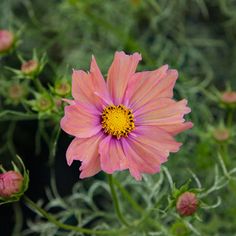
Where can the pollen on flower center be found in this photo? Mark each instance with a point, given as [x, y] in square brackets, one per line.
[117, 121]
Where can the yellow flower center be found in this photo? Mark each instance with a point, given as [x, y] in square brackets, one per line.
[117, 121]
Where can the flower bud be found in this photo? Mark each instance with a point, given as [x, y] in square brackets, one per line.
[10, 183]
[221, 134]
[44, 103]
[179, 229]
[62, 88]
[30, 67]
[6, 41]
[228, 97]
[16, 92]
[187, 204]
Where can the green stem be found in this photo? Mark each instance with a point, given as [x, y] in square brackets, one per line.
[230, 118]
[38, 84]
[128, 197]
[18, 219]
[53, 144]
[222, 164]
[155, 5]
[61, 225]
[116, 202]
[16, 115]
[139, 209]
[223, 152]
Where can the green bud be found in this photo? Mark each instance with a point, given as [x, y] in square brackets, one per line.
[62, 88]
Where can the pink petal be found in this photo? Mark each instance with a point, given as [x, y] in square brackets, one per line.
[86, 86]
[140, 159]
[146, 149]
[156, 138]
[122, 69]
[142, 83]
[82, 87]
[82, 121]
[164, 113]
[150, 85]
[99, 83]
[112, 156]
[177, 128]
[85, 150]
[69, 101]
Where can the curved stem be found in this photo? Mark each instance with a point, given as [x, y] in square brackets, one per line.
[128, 197]
[61, 225]
[145, 218]
[116, 202]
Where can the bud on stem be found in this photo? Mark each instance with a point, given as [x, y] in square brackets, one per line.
[10, 183]
[187, 204]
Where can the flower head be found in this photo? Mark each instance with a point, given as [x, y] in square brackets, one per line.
[10, 183]
[6, 41]
[187, 204]
[128, 122]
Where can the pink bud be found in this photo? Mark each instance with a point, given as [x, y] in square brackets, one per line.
[187, 204]
[228, 97]
[6, 40]
[29, 67]
[10, 183]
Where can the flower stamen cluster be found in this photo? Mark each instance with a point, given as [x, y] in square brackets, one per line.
[117, 121]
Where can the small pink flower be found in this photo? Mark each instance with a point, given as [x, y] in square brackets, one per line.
[10, 183]
[6, 40]
[128, 122]
[187, 204]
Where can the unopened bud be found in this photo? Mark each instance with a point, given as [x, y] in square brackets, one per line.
[187, 204]
[179, 229]
[62, 88]
[30, 67]
[10, 183]
[16, 92]
[228, 97]
[6, 41]
[44, 103]
[221, 134]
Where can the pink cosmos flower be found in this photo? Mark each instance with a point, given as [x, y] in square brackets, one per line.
[127, 122]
